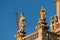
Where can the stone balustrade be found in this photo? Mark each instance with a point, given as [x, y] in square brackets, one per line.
[31, 36]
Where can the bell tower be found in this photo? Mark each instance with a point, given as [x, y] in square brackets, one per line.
[21, 27]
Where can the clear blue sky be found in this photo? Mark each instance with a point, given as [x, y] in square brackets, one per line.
[31, 9]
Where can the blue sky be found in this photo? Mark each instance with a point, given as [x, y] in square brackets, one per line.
[31, 9]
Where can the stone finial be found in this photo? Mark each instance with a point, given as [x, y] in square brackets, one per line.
[22, 20]
[43, 13]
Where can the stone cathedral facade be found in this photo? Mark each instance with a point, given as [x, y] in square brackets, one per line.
[42, 32]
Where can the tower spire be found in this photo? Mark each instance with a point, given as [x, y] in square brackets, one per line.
[58, 9]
